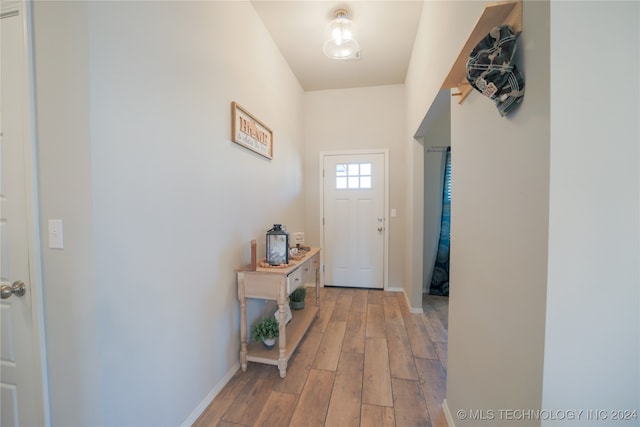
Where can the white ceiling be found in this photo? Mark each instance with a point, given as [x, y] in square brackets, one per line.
[385, 31]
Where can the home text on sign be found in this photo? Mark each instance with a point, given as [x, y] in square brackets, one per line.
[250, 128]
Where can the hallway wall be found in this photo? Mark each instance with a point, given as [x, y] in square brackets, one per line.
[159, 205]
[435, 49]
[499, 242]
[352, 119]
[543, 312]
[499, 217]
[592, 340]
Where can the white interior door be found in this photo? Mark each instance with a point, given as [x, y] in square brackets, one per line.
[20, 376]
[354, 219]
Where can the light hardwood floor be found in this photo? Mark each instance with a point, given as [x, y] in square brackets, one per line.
[366, 361]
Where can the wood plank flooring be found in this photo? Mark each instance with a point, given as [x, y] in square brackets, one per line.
[366, 361]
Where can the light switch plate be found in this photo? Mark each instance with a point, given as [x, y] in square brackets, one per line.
[55, 234]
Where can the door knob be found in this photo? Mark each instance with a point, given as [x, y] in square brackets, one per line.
[18, 288]
[379, 228]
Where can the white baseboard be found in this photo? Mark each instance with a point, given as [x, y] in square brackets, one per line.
[406, 298]
[447, 414]
[416, 310]
[210, 396]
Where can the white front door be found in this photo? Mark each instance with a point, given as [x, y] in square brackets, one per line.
[20, 376]
[354, 219]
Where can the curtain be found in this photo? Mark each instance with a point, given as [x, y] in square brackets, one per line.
[440, 278]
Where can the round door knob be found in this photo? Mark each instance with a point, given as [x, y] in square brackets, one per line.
[17, 288]
[379, 228]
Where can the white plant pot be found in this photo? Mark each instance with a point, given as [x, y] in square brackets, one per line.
[269, 343]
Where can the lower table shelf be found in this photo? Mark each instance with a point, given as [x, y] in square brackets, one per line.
[302, 319]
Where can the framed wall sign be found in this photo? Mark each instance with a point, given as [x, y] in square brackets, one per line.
[250, 132]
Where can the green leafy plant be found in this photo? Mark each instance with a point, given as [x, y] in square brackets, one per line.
[265, 329]
[298, 294]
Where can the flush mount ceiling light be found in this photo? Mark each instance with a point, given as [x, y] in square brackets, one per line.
[340, 43]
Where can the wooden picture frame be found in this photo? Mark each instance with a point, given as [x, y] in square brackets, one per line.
[250, 132]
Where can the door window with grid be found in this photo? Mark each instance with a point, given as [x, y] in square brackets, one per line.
[353, 176]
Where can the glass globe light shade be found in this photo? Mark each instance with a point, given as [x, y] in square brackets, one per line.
[340, 44]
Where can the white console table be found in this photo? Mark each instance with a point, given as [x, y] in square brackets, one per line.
[276, 284]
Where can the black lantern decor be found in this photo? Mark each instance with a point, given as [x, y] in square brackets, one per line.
[277, 245]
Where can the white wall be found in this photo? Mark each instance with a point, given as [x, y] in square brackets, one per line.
[414, 232]
[539, 188]
[158, 204]
[592, 334]
[64, 174]
[443, 30]
[499, 233]
[352, 119]
[499, 215]
[436, 47]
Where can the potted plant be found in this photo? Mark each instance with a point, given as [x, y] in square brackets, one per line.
[297, 298]
[266, 330]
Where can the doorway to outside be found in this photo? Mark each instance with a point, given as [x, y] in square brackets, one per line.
[354, 187]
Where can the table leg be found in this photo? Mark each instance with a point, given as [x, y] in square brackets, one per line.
[282, 365]
[282, 339]
[318, 292]
[243, 334]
